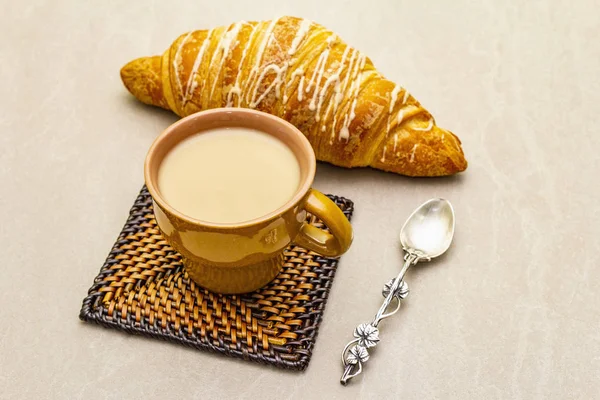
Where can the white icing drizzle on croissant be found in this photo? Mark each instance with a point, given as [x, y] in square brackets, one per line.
[300, 88]
[393, 100]
[405, 99]
[412, 153]
[192, 83]
[267, 37]
[297, 72]
[300, 34]
[177, 61]
[400, 117]
[394, 97]
[275, 84]
[337, 95]
[335, 77]
[225, 46]
[349, 73]
[318, 72]
[344, 134]
[427, 128]
[236, 89]
[354, 89]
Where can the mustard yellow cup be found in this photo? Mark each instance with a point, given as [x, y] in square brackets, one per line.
[242, 257]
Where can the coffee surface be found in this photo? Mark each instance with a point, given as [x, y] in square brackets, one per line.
[228, 175]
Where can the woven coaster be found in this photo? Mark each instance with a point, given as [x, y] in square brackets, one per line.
[142, 288]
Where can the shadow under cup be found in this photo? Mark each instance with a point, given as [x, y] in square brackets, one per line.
[242, 257]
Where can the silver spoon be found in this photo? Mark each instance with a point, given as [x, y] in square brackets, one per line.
[426, 234]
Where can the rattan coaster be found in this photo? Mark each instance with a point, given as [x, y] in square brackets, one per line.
[142, 288]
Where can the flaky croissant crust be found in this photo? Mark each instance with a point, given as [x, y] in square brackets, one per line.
[304, 73]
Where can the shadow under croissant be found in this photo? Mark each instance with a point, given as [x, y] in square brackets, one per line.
[360, 176]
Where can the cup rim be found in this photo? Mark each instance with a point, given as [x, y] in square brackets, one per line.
[301, 192]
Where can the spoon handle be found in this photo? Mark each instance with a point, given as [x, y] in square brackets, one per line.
[367, 335]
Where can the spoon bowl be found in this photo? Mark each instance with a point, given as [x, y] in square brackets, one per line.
[428, 232]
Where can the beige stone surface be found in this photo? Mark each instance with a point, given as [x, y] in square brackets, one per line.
[512, 312]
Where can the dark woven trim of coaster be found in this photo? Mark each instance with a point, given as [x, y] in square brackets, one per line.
[142, 288]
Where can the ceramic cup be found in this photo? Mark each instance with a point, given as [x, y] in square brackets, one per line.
[242, 257]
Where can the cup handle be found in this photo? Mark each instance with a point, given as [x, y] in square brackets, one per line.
[328, 244]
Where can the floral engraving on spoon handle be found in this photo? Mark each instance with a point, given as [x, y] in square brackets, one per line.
[401, 292]
[356, 352]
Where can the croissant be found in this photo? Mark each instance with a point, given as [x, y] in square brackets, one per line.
[300, 71]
